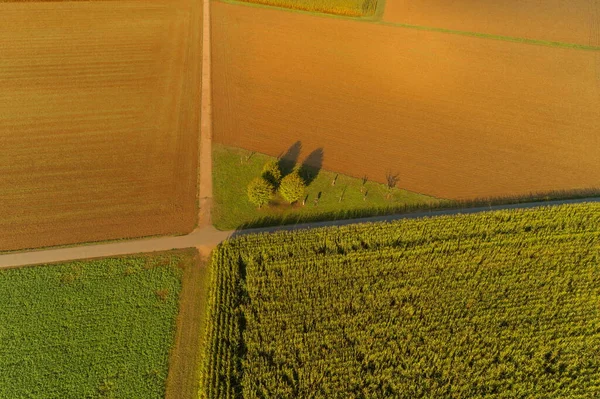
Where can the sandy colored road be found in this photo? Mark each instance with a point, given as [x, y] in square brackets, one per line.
[454, 116]
[206, 238]
[99, 120]
[572, 21]
[205, 161]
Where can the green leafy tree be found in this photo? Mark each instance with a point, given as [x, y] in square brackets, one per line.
[292, 187]
[272, 173]
[260, 191]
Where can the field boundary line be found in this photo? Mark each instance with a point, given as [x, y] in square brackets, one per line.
[512, 39]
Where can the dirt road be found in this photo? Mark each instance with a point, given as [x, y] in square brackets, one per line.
[206, 238]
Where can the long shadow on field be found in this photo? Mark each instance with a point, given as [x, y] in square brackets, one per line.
[269, 221]
[310, 168]
[287, 161]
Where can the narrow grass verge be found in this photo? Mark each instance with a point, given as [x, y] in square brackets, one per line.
[186, 357]
[512, 39]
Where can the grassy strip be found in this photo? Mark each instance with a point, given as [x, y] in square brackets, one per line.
[512, 39]
[233, 171]
[186, 357]
[496, 304]
[99, 328]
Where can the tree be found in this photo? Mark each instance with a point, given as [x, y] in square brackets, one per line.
[260, 191]
[292, 187]
[272, 173]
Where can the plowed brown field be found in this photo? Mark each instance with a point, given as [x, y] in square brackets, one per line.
[570, 21]
[99, 118]
[454, 116]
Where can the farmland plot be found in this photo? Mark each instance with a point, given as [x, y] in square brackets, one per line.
[499, 304]
[90, 329]
[456, 117]
[574, 21]
[99, 118]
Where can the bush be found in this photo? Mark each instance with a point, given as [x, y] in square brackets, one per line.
[292, 187]
[260, 191]
[272, 173]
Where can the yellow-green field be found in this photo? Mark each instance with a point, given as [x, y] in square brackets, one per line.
[492, 305]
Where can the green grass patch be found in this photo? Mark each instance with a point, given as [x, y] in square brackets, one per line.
[498, 304]
[232, 172]
[90, 329]
[351, 8]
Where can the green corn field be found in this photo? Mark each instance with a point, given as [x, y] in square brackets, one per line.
[501, 304]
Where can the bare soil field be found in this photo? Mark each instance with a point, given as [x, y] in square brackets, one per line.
[572, 21]
[99, 119]
[453, 116]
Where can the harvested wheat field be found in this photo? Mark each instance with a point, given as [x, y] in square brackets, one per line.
[454, 116]
[572, 21]
[99, 117]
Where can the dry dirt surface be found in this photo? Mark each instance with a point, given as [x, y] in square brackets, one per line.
[453, 116]
[99, 119]
[570, 21]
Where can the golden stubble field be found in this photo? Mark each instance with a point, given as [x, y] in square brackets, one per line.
[99, 118]
[453, 116]
[570, 21]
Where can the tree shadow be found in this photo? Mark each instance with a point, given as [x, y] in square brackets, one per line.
[310, 168]
[287, 161]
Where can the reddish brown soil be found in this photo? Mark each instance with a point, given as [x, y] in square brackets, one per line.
[571, 21]
[454, 116]
[99, 119]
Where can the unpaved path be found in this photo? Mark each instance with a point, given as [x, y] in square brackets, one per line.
[205, 161]
[206, 238]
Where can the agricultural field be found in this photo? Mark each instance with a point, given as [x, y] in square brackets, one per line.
[499, 304]
[234, 168]
[99, 116]
[353, 8]
[455, 116]
[107, 328]
[574, 21]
